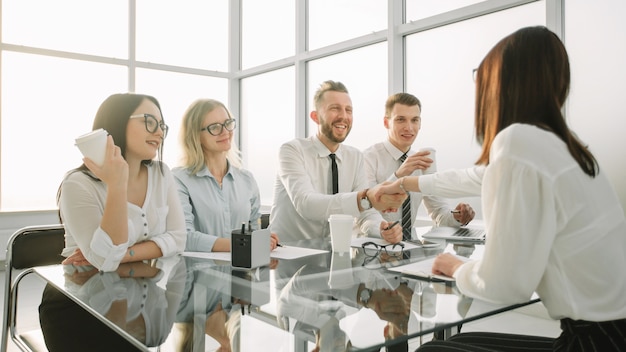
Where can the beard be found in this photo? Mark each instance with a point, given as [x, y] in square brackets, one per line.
[327, 131]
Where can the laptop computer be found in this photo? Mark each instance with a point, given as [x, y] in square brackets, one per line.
[457, 234]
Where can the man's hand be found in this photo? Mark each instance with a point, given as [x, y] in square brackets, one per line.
[417, 161]
[385, 200]
[392, 235]
[273, 241]
[463, 213]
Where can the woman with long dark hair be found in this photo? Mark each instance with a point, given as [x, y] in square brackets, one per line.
[554, 223]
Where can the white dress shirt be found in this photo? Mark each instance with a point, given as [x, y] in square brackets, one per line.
[302, 194]
[160, 219]
[381, 162]
[552, 229]
[211, 211]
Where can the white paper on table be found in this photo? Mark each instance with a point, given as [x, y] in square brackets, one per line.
[284, 252]
[223, 256]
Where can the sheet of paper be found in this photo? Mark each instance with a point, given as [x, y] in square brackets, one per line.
[290, 252]
[284, 252]
[423, 268]
[357, 242]
[223, 256]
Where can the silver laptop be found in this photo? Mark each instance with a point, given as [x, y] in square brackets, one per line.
[455, 234]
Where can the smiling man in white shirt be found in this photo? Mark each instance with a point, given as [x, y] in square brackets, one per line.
[394, 158]
[303, 194]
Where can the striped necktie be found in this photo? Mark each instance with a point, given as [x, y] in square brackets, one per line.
[406, 212]
[334, 173]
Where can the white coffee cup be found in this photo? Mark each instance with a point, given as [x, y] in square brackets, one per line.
[433, 167]
[93, 145]
[341, 231]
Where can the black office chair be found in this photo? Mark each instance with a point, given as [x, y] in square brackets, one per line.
[28, 247]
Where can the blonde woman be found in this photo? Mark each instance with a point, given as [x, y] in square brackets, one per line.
[216, 193]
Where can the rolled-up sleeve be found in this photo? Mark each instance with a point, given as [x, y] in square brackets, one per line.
[108, 255]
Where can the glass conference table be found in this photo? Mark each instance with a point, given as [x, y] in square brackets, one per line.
[293, 304]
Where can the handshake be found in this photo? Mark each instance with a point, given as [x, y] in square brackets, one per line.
[388, 196]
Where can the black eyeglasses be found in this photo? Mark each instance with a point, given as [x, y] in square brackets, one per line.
[372, 249]
[217, 128]
[152, 123]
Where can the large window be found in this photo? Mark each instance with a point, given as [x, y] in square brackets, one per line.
[263, 59]
[333, 21]
[268, 121]
[62, 58]
[366, 80]
[441, 77]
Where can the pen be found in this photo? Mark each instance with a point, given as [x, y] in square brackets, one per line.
[392, 225]
[278, 245]
[455, 211]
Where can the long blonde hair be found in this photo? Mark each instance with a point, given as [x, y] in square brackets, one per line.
[193, 157]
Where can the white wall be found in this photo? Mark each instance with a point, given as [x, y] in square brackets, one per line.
[595, 37]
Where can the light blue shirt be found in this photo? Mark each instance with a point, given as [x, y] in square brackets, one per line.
[211, 211]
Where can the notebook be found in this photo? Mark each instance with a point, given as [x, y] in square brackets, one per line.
[458, 234]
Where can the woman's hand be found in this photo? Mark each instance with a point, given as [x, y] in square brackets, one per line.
[388, 304]
[446, 264]
[80, 277]
[114, 170]
[77, 258]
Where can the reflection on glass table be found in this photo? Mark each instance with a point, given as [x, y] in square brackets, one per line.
[139, 299]
[327, 301]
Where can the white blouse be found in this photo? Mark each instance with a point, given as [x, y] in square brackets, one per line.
[160, 219]
[551, 229]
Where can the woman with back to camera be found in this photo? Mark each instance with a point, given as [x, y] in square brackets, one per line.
[216, 193]
[126, 210]
[555, 225]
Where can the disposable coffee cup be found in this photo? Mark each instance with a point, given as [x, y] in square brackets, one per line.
[341, 232]
[93, 145]
[433, 155]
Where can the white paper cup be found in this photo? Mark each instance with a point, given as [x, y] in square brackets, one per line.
[432, 155]
[341, 231]
[93, 145]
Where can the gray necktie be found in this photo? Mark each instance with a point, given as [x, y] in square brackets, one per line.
[406, 212]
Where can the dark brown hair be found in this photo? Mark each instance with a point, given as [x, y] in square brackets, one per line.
[525, 78]
[112, 116]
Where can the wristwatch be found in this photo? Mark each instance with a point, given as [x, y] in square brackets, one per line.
[364, 202]
[365, 295]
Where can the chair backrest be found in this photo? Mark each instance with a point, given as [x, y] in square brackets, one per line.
[35, 246]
